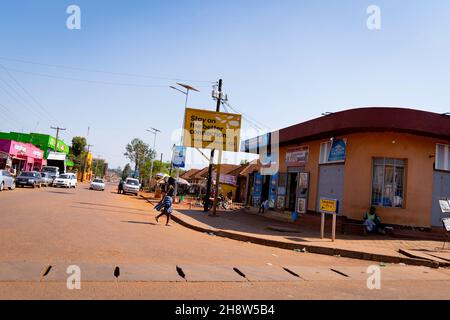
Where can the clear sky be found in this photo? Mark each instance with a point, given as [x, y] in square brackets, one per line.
[282, 62]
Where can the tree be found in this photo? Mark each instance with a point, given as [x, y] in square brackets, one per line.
[139, 152]
[126, 171]
[78, 145]
[99, 167]
[77, 153]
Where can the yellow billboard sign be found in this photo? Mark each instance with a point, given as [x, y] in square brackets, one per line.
[212, 130]
[328, 205]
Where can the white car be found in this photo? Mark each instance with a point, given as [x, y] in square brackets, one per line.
[131, 186]
[67, 180]
[97, 184]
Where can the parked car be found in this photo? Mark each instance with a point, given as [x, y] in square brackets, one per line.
[47, 179]
[6, 180]
[131, 186]
[29, 178]
[67, 180]
[97, 184]
[53, 171]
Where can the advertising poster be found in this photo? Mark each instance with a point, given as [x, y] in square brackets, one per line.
[273, 190]
[301, 205]
[280, 202]
[212, 130]
[179, 157]
[303, 180]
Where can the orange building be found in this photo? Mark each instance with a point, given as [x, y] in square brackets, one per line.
[393, 158]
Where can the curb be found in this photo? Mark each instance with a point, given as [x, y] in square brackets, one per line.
[309, 248]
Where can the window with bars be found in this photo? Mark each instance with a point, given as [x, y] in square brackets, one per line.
[442, 157]
[388, 182]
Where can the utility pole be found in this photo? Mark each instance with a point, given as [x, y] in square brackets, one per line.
[155, 132]
[211, 159]
[57, 134]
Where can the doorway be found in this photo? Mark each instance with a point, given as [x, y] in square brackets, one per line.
[292, 190]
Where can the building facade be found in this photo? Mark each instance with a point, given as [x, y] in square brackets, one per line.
[393, 158]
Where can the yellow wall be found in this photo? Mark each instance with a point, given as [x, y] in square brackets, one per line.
[361, 149]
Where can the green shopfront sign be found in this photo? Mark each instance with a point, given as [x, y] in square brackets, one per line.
[44, 142]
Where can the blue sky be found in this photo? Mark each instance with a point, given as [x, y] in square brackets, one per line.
[282, 62]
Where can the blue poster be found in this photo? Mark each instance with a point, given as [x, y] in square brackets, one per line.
[337, 151]
[273, 190]
[257, 188]
[179, 157]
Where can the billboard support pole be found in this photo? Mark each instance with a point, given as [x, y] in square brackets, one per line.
[208, 184]
[216, 193]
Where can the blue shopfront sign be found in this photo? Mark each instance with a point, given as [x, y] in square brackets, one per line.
[337, 151]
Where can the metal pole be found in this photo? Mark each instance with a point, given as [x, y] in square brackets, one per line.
[322, 224]
[151, 166]
[181, 143]
[208, 184]
[333, 231]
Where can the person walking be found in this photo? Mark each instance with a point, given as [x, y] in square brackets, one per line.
[166, 205]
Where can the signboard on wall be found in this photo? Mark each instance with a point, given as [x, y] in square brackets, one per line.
[337, 150]
[212, 130]
[273, 190]
[226, 178]
[297, 156]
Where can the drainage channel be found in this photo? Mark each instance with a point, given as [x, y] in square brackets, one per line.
[292, 273]
[45, 271]
[239, 272]
[181, 272]
[339, 272]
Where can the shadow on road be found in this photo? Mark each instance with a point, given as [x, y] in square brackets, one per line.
[109, 211]
[106, 205]
[61, 192]
[140, 222]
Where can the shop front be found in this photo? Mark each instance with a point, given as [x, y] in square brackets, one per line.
[395, 159]
[21, 156]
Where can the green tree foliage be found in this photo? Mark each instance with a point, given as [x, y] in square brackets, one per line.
[99, 167]
[139, 153]
[77, 152]
[78, 145]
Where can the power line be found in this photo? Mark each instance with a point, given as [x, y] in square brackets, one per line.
[22, 100]
[252, 123]
[27, 92]
[106, 72]
[90, 81]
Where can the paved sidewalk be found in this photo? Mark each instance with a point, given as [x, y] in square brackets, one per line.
[259, 228]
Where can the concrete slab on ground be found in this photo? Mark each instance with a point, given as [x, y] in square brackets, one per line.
[88, 272]
[21, 271]
[412, 273]
[201, 273]
[149, 272]
[316, 273]
[267, 273]
[422, 254]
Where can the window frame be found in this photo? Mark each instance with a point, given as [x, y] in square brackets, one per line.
[328, 149]
[405, 174]
[446, 167]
